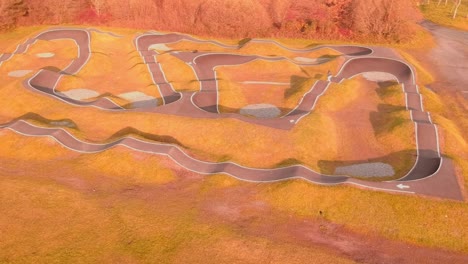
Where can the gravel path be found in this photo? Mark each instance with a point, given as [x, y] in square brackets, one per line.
[376, 169]
[261, 111]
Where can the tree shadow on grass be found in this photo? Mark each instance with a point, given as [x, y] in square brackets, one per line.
[51, 122]
[297, 82]
[52, 69]
[386, 118]
[128, 131]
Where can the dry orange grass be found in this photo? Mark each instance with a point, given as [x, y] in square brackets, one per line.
[422, 221]
[20, 35]
[443, 14]
[64, 50]
[271, 49]
[114, 67]
[285, 91]
[254, 48]
[124, 228]
[126, 211]
[178, 73]
[190, 46]
[289, 83]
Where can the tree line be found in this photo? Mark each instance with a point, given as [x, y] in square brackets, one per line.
[380, 20]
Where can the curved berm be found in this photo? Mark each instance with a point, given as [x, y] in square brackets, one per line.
[430, 167]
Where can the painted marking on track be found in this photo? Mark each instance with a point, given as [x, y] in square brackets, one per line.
[402, 186]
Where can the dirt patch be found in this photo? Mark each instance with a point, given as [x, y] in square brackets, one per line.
[159, 47]
[80, 94]
[304, 59]
[312, 60]
[139, 99]
[45, 55]
[19, 73]
[379, 76]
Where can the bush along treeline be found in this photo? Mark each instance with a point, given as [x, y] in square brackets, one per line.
[379, 20]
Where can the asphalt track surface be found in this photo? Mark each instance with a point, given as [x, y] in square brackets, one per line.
[431, 175]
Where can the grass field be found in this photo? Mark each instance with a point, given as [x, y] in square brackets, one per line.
[130, 207]
[443, 14]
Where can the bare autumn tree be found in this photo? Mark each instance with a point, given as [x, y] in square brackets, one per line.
[376, 19]
[278, 10]
[50, 12]
[440, 1]
[457, 5]
[99, 6]
[234, 18]
[385, 19]
[10, 11]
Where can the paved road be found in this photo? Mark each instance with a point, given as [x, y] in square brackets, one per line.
[431, 174]
[450, 57]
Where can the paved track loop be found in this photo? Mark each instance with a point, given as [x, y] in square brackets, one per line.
[431, 174]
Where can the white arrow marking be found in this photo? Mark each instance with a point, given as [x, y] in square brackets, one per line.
[402, 186]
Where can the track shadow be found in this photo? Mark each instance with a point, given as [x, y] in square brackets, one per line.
[52, 69]
[384, 91]
[151, 103]
[243, 42]
[385, 119]
[428, 164]
[326, 58]
[296, 83]
[151, 137]
[38, 118]
[287, 162]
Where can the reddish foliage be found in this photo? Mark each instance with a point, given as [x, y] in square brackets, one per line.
[87, 16]
[381, 19]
